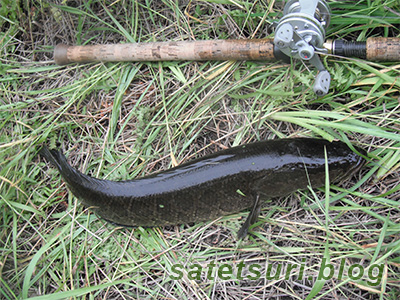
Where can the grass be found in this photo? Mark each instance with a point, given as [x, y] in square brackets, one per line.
[126, 120]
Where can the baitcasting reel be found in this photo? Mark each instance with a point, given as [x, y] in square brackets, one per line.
[301, 33]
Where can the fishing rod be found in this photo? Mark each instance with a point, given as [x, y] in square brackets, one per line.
[300, 34]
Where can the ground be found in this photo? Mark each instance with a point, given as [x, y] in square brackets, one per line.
[125, 120]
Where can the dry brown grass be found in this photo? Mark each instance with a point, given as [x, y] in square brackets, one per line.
[117, 128]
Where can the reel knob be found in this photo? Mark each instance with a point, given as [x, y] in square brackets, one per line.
[306, 51]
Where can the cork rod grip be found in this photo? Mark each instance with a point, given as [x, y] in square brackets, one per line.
[383, 49]
[257, 49]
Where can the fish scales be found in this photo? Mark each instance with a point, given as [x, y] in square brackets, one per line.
[215, 185]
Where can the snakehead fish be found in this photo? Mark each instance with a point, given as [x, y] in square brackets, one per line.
[215, 185]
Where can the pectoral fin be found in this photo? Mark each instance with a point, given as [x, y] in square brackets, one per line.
[251, 218]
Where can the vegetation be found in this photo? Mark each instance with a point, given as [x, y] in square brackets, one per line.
[126, 120]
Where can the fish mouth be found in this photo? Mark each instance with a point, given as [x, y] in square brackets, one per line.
[361, 160]
[360, 163]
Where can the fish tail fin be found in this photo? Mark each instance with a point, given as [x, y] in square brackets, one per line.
[50, 156]
[58, 160]
[81, 185]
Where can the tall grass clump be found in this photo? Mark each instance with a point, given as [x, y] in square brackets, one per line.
[125, 120]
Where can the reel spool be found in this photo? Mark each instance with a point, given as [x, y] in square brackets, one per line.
[301, 32]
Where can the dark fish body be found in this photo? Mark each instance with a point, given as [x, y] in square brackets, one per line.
[219, 184]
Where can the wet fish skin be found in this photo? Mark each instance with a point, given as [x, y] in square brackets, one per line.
[219, 184]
